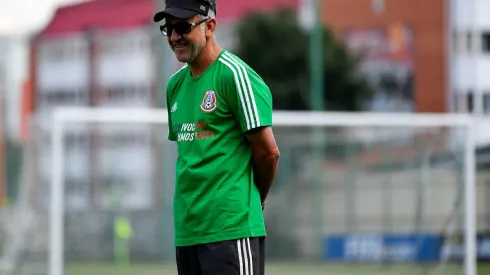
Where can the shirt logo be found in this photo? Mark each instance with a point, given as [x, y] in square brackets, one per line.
[174, 108]
[209, 101]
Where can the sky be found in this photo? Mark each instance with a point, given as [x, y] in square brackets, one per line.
[22, 17]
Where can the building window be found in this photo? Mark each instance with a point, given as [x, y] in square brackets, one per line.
[462, 41]
[485, 42]
[454, 41]
[121, 45]
[107, 46]
[454, 102]
[486, 102]
[458, 102]
[467, 42]
[63, 97]
[79, 51]
[463, 102]
[378, 6]
[61, 50]
[113, 93]
[55, 53]
[470, 99]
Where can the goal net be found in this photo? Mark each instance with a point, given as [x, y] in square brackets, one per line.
[355, 194]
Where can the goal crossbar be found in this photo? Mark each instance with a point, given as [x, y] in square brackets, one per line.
[63, 116]
[280, 118]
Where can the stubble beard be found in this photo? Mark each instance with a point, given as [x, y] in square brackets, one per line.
[194, 51]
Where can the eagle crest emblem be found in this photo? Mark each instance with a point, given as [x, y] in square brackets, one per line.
[209, 103]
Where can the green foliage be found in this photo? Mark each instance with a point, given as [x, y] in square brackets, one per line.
[277, 48]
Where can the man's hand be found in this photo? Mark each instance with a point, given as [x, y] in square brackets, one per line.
[265, 156]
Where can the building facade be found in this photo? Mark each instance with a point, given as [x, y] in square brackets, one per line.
[424, 56]
[406, 35]
[107, 53]
[470, 56]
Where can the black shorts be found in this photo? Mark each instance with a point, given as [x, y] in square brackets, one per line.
[235, 257]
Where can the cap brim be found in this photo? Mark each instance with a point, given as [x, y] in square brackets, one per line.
[173, 12]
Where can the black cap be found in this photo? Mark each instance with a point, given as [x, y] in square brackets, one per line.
[182, 9]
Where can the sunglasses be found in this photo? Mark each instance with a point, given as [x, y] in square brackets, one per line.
[180, 28]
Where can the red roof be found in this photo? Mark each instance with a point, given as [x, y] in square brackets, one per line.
[120, 14]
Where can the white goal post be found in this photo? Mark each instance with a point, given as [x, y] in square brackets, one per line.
[64, 116]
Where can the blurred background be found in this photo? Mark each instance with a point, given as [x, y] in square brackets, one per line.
[347, 200]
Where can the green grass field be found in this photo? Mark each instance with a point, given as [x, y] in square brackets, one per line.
[293, 268]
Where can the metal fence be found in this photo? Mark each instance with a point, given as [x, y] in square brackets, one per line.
[351, 182]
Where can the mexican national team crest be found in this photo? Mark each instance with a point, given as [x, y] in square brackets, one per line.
[209, 101]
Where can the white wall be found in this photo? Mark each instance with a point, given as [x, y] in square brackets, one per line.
[471, 59]
[469, 13]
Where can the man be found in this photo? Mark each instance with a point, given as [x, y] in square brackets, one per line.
[220, 115]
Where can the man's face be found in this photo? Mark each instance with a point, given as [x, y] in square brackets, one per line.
[186, 46]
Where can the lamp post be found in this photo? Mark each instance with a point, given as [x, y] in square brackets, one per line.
[310, 18]
[317, 100]
[3, 137]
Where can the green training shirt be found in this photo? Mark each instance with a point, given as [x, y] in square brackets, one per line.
[215, 195]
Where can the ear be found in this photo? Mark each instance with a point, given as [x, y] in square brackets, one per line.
[210, 27]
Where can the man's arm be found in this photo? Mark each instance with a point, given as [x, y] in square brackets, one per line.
[265, 157]
[250, 100]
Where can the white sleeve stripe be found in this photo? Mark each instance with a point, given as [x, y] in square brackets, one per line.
[239, 88]
[246, 92]
[255, 113]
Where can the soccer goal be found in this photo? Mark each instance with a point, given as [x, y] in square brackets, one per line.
[394, 190]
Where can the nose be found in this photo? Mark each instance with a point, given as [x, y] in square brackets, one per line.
[174, 36]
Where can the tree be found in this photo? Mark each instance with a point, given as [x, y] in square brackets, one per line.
[276, 47]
